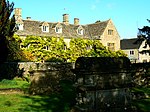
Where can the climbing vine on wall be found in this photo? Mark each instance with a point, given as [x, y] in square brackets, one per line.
[55, 49]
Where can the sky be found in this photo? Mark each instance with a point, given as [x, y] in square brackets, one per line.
[127, 15]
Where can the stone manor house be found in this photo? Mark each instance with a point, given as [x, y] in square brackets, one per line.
[104, 31]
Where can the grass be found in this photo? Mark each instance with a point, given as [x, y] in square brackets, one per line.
[143, 104]
[16, 83]
[25, 103]
[145, 90]
[12, 102]
[58, 102]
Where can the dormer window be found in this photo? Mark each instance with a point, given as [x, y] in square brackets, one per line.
[19, 26]
[58, 29]
[80, 30]
[45, 27]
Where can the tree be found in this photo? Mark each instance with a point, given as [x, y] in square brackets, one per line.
[144, 35]
[7, 28]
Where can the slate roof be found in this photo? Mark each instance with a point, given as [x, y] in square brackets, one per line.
[130, 43]
[97, 29]
[32, 27]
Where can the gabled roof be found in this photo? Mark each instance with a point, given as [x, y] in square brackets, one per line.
[130, 43]
[32, 27]
[97, 29]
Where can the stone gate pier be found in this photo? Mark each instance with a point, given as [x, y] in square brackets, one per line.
[102, 84]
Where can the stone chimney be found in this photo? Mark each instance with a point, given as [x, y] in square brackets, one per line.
[18, 12]
[28, 18]
[66, 19]
[18, 15]
[76, 21]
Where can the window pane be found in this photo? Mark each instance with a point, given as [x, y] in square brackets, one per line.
[111, 46]
[110, 32]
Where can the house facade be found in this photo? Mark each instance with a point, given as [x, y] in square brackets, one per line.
[103, 31]
[133, 48]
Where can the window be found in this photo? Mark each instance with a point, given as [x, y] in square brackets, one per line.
[21, 46]
[111, 46]
[45, 28]
[132, 52]
[110, 32]
[58, 29]
[80, 31]
[65, 47]
[145, 61]
[46, 47]
[88, 47]
[19, 26]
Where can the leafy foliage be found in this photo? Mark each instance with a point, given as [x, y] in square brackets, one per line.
[54, 49]
[7, 25]
[7, 28]
[15, 53]
[144, 34]
[9, 46]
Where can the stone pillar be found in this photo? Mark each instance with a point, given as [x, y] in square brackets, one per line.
[66, 19]
[18, 13]
[76, 21]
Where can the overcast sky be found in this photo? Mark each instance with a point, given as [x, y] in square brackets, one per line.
[127, 15]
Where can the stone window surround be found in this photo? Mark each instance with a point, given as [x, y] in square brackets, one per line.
[131, 52]
[45, 28]
[19, 26]
[111, 46]
[58, 29]
[80, 30]
[110, 32]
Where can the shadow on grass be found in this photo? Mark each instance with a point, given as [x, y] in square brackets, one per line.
[56, 102]
[141, 99]
[142, 105]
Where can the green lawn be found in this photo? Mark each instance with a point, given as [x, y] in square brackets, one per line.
[58, 102]
[16, 83]
[25, 103]
[13, 102]
[143, 105]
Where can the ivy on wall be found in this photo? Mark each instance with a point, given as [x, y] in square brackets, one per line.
[55, 49]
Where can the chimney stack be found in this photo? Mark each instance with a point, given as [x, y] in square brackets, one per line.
[66, 19]
[18, 15]
[76, 21]
[18, 12]
[28, 18]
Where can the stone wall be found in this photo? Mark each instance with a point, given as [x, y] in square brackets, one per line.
[141, 77]
[47, 79]
[44, 77]
[9, 70]
[104, 86]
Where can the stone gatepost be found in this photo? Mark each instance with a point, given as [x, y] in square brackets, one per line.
[103, 84]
